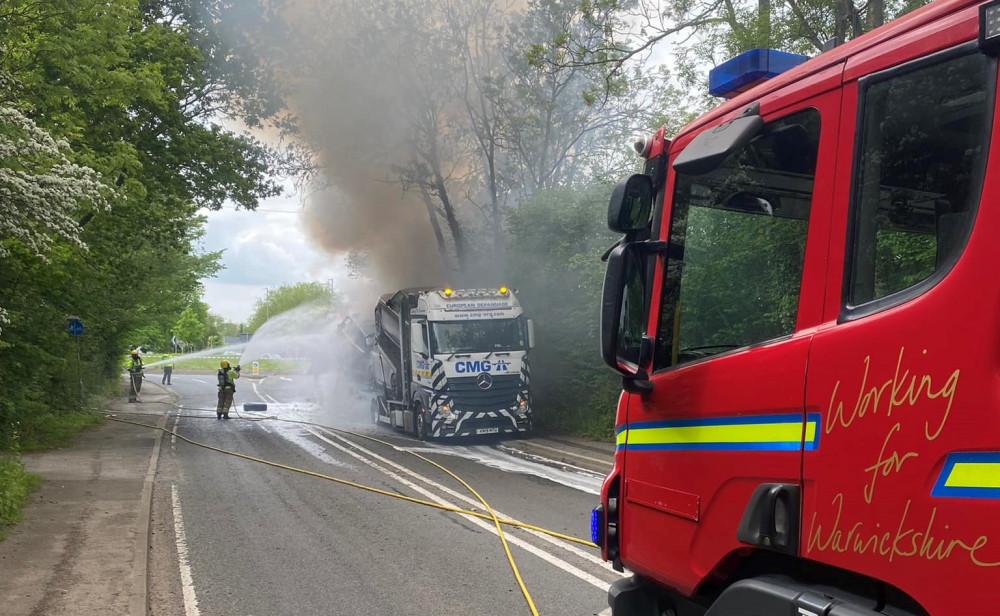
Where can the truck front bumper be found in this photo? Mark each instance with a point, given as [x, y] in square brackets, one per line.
[483, 423]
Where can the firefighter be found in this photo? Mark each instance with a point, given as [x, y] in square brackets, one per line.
[168, 369]
[135, 376]
[227, 386]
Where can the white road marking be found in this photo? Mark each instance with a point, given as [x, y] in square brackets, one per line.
[569, 547]
[285, 378]
[575, 455]
[528, 547]
[187, 583]
[264, 397]
[199, 380]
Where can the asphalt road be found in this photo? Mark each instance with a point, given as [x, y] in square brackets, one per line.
[235, 537]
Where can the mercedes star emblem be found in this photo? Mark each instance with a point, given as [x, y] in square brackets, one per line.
[484, 381]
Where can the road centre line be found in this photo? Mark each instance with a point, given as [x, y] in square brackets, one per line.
[544, 555]
[477, 505]
[468, 500]
[187, 582]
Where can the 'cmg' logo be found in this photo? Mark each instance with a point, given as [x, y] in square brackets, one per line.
[474, 366]
[481, 365]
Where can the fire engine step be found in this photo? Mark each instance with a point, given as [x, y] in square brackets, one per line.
[255, 407]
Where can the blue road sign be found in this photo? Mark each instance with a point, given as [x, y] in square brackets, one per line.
[75, 327]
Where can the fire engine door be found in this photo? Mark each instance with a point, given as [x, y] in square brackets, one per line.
[903, 374]
[735, 313]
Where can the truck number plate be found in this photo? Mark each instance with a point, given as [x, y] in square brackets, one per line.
[487, 430]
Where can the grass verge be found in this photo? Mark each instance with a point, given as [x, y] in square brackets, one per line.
[15, 486]
[50, 430]
[212, 363]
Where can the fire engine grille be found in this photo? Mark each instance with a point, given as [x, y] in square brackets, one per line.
[466, 395]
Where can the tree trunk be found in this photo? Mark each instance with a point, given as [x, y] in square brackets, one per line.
[876, 14]
[840, 21]
[764, 22]
[436, 226]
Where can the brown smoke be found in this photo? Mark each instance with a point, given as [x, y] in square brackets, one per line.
[349, 84]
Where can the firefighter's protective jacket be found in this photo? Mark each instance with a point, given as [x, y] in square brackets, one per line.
[227, 379]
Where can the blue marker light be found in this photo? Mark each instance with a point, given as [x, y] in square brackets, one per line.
[595, 524]
[749, 69]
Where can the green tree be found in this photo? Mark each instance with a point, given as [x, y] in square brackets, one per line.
[706, 32]
[190, 327]
[287, 297]
[557, 272]
[135, 94]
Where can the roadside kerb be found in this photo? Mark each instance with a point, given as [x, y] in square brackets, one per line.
[562, 454]
[139, 602]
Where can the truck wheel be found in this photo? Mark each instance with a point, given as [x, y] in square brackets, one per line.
[420, 422]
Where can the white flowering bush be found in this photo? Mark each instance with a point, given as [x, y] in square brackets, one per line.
[40, 189]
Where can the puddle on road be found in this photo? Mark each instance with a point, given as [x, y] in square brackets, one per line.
[582, 480]
[355, 419]
[295, 433]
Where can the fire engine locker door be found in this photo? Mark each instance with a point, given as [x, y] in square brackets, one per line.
[726, 413]
[904, 371]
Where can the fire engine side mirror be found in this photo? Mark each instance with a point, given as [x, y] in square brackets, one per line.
[531, 334]
[623, 311]
[631, 204]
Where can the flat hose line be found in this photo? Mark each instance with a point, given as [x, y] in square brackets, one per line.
[497, 522]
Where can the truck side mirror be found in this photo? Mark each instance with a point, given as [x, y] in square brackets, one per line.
[531, 334]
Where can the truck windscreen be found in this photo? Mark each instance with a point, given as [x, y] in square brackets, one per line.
[478, 336]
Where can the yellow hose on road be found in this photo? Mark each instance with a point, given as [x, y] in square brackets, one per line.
[497, 522]
[505, 522]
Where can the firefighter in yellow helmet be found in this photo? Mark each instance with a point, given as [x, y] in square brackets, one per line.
[227, 386]
[135, 376]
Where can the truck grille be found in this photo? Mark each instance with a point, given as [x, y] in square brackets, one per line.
[466, 395]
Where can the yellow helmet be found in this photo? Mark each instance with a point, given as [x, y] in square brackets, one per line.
[135, 351]
[224, 363]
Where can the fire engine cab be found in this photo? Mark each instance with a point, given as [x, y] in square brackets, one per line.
[805, 311]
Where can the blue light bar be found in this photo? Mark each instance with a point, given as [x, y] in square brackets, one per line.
[595, 524]
[748, 69]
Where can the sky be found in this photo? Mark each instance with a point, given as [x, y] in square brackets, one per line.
[262, 249]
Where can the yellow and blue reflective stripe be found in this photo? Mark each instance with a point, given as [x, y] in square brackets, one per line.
[969, 475]
[785, 432]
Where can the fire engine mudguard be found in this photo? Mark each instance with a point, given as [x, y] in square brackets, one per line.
[759, 596]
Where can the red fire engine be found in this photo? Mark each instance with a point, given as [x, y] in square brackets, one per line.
[805, 311]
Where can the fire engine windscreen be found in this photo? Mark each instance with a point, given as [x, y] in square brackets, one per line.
[741, 228]
[478, 336]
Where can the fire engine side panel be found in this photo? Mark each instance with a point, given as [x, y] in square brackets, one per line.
[906, 485]
[740, 414]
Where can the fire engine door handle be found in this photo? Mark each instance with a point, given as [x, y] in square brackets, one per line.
[771, 518]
